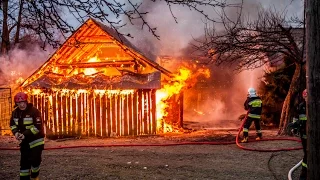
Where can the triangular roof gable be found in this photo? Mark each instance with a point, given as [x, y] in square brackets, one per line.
[70, 46]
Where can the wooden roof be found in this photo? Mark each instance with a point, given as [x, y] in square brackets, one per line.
[117, 62]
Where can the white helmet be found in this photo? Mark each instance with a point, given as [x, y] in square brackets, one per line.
[252, 92]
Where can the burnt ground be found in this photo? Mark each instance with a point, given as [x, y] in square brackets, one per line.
[158, 162]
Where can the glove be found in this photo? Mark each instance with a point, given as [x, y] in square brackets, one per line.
[294, 128]
[19, 136]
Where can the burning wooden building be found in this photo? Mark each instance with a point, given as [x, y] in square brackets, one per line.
[97, 84]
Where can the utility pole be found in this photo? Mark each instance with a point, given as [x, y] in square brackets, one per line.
[313, 86]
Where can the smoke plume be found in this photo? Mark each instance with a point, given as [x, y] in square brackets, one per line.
[220, 103]
[20, 63]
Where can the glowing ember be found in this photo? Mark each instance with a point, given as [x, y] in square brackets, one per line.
[199, 112]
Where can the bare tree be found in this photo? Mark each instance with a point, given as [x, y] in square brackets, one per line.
[44, 17]
[252, 43]
[5, 40]
[313, 84]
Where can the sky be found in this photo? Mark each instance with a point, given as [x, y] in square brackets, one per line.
[174, 36]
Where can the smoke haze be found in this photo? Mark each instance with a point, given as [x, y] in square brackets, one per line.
[222, 101]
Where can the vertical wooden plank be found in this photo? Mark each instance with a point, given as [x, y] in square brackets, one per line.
[80, 113]
[91, 117]
[39, 97]
[135, 112]
[118, 109]
[125, 115]
[87, 113]
[97, 114]
[130, 114]
[35, 100]
[51, 114]
[54, 112]
[140, 104]
[46, 111]
[64, 113]
[69, 115]
[43, 108]
[149, 112]
[154, 111]
[104, 125]
[60, 122]
[74, 115]
[109, 117]
[113, 113]
[145, 112]
[181, 98]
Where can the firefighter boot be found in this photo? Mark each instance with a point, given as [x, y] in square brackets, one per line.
[259, 137]
[244, 140]
[37, 178]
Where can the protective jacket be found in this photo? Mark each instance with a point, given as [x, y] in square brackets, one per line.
[253, 105]
[29, 123]
[300, 119]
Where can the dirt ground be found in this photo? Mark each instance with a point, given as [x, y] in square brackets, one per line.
[219, 162]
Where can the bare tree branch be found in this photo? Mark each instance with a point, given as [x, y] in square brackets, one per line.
[46, 17]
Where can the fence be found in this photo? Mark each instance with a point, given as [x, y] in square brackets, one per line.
[5, 110]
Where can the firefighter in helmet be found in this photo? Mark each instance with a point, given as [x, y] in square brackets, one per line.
[26, 125]
[253, 106]
[300, 125]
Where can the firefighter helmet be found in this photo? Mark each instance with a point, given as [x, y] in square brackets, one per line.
[305, 93]
[20, 97]
[252, 92]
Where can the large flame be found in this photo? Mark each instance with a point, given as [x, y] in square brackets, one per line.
[90, 71]
[185, 77]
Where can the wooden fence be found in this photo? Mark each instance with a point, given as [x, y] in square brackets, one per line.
[94, 114]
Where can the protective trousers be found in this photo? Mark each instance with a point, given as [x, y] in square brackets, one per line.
[247, 125]
[303, 174]
[30, 161]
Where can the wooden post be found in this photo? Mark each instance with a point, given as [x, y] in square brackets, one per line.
[313, 84]
[154, 111]
[181, 108]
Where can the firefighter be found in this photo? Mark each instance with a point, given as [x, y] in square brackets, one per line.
[26, 125]
[253, 106]
[300, 125]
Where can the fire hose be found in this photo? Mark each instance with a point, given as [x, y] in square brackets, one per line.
[186, 143]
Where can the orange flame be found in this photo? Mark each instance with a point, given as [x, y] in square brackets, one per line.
[168, 90]
[90, 71]
[184, 78]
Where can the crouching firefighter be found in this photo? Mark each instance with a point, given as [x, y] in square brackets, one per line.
[253, 106]
[299, 125]
[26, 125]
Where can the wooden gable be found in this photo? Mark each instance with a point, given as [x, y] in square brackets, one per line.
[96, 56]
